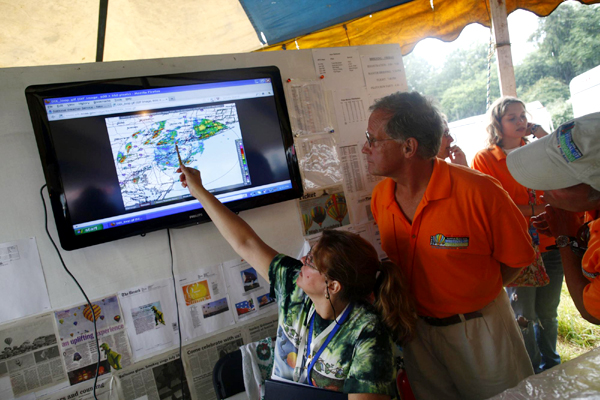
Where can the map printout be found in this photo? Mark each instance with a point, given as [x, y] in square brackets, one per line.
[143, 146]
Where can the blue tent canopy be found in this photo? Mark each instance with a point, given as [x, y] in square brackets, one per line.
[278, 20]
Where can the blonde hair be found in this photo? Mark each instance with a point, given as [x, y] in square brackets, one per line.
[352, 261]
[496, 112]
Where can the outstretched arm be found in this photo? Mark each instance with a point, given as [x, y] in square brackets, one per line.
[235, 230]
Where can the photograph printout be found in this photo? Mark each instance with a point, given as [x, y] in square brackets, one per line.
[150, 318]
[25, 293]
[78, 342]
[159, 378]
[82, 391]
[200, 359]
[323, 209]
[248, 291]
[203, 302]
[30, 355]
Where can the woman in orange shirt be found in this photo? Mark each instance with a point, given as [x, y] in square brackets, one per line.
[535, 307]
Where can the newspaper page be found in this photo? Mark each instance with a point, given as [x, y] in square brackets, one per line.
[78, 342]
[323, 209]
[203, 302]
[31, 356]
[200, 359]
[25, 292]
[261, 329]
[248, 291]
[150, 318]
[159, 378]
[82, 391]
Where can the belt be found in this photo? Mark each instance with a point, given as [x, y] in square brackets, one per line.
[454, 319]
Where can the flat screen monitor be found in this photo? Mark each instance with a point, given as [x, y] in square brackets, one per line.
[108, 149]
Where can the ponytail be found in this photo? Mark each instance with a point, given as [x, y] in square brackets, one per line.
[393, 302]
[352, 261]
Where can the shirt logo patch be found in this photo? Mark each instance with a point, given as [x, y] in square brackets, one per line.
[568, 148]
[448, 242]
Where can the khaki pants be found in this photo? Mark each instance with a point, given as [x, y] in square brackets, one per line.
[475, 359]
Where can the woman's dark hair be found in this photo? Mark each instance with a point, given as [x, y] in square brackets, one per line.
[354, 263]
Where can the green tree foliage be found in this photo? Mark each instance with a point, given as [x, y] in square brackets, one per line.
[567, 43]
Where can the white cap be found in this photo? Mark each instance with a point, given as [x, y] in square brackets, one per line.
[567, 157]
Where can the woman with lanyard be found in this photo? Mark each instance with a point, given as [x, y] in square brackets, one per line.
[329, 335]
[535, 307]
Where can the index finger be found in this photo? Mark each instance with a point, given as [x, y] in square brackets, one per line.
[179, 156]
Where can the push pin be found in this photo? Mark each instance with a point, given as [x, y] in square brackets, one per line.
[289, 80]
[322, 77]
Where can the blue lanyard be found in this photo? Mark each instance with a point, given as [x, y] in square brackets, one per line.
[329, 337]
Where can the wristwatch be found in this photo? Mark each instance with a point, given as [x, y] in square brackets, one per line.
[564, 241]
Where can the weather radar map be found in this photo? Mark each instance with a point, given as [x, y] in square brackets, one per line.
[143, 146]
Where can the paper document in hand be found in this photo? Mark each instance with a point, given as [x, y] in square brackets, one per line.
[23, 285]
[150, 318]
[203, 302]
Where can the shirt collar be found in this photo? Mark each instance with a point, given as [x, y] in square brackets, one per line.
[499, 153]
[440, 184]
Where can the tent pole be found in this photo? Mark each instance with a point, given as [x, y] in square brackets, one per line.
[101, 30]
[506, 71]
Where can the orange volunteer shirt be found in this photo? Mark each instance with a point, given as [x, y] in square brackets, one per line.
[591, 265]
[464, 227]
[493, 162]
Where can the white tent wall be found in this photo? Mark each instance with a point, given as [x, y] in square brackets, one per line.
[65, 31]
[107, 268]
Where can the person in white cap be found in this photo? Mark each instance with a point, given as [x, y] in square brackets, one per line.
[566, 165]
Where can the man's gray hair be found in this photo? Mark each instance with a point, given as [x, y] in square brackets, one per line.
[413, 115]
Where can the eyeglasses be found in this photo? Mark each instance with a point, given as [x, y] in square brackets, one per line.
[371, 139]
[309, 260]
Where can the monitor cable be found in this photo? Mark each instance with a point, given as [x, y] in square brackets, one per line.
[181, 371]
[89, 303]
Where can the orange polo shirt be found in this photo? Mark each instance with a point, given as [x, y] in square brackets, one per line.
[464, 227]
[493, 162]
[591, 265]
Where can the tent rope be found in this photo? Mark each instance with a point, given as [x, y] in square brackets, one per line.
[489, 71]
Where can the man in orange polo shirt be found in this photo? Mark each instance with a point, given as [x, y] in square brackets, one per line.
[458, 237]
[566, 165]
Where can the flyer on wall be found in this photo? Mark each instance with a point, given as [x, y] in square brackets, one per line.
[78, 342]
[248, 291]
[203, 302]
[323, 209]
[150, 318]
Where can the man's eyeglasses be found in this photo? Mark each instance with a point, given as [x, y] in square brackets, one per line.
[371, 139]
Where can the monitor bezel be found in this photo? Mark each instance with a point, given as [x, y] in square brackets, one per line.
[36, 94]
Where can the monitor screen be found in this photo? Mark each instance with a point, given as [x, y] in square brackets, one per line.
[108, 149]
